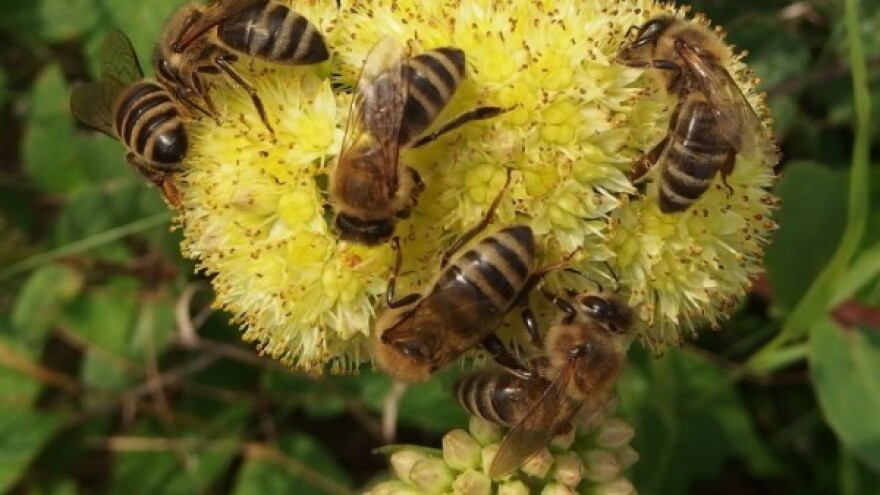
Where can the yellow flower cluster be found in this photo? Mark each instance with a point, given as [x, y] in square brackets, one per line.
[255, 212]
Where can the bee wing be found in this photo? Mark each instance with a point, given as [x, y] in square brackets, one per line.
[118, 60]
[92, 104]
[738, 121]
[537, 428]
[377, 106]
[214, 13]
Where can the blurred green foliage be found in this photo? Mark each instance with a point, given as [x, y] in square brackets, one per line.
[103, 391]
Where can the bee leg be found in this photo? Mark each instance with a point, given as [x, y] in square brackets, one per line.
[617, 285]
[655, 64]
[480, 113]
[390, 300]
[501, 355]
[191, 103]
[202, 91]
[538, 275]
[647, 161]
[531, 323]
[227, 68]
[563, 305]
[727, 169]
[476, 229]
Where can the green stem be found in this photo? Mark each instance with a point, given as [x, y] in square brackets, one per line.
[819, 297]
[83, 245]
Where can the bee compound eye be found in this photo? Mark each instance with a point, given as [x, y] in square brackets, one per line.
[598, 307]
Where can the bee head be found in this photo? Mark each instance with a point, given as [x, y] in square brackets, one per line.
[369, 232]
[609, 311]
[405, 343]
[647, 37]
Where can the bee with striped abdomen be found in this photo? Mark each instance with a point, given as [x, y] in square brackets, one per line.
[140, 113]
[418, 334]
[712, 122]
[584, 354]
[206, 39]
[396, 98]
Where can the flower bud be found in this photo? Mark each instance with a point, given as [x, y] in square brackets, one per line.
[613, 434]
[403, 461]
[487, 455]
[626, 456]
[539, 465]
[564, 440]
[568, 469]
[513, 488]
[461, 451]
[557, 489]
[484, 431]
[600, 465]
[472, 483]
[619, 486]
[431, 476]
[392, 488]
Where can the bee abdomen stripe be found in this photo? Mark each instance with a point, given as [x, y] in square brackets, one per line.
[505, 402]
[454, 58]
[436, 69]
[696, 165]
[512, 259]
[489, 280]
[684, 185]
[417, 114]
[309, 43]
[522, 240]
[670, 201]
[275, 19]
[139, 100]
[480, 397]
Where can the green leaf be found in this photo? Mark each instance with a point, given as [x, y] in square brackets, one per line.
[689, 422]
[308, 470]
[96, 209]
[121, 324]
[817, 299]
[855, 477]
[22, 435]
[776, 55]
[40, 302]
[4, 90]
[808, 191]
[863, 271]
[65, 19]
[24, 332]
[430, 405]
[58, 159]
[845, 366]
[190, 462]
[142, 22]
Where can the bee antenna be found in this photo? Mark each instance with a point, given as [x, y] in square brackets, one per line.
[617, 284]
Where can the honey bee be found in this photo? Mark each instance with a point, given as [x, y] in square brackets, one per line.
[418, 334]
[712, 122]
[140, 113]
[396, 98]
[206, 39]
[584, 354]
